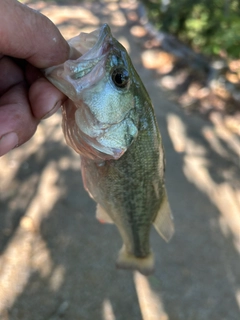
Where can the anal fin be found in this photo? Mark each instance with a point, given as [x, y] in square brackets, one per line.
[102, 216]
[163, 222]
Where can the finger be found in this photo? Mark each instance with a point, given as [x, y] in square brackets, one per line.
[37, 39]
[44, 98]
[17, 124]
[10, 74]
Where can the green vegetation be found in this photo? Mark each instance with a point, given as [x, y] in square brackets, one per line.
[209, 26]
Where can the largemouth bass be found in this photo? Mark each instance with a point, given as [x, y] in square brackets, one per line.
[109, 120]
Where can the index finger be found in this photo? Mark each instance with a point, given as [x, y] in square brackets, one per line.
[27, 34]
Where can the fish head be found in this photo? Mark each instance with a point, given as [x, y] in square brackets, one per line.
[100, 120]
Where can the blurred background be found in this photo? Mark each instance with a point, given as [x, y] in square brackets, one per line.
[56, 260]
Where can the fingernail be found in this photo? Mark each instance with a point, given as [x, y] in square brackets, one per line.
[53, 110]
[8, 142]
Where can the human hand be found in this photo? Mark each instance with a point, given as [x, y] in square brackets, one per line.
[28, 41]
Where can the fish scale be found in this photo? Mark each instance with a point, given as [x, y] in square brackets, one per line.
[129, 187]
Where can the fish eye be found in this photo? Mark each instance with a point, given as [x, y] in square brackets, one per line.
[120, 77]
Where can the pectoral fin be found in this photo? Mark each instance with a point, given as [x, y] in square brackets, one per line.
[102, 216]
[163, 222]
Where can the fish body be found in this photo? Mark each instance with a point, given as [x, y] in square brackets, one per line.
[109, 120]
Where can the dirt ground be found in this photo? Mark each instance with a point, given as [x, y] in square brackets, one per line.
[58, 262]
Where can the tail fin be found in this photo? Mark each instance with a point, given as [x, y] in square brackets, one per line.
[128, 261]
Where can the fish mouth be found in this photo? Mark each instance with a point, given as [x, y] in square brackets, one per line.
[91, 42]
[92, 48]
[75, 75]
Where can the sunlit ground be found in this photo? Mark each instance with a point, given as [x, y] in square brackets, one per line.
[56, 262]
[226, 197]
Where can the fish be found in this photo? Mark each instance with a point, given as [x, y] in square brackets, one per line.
[109, 120]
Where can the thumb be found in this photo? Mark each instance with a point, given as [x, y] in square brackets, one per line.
[27, 34]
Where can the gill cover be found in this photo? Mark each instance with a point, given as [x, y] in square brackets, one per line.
[99, 119]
